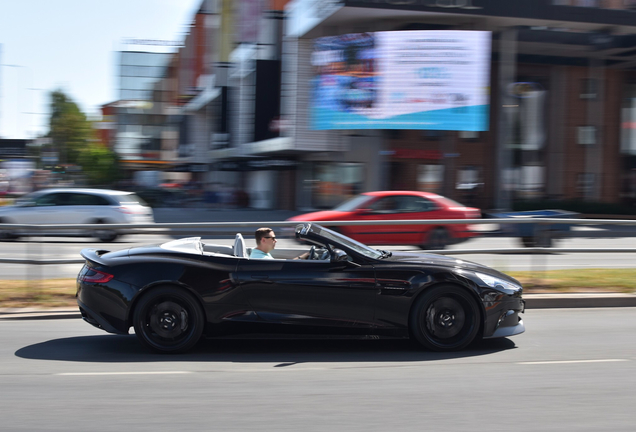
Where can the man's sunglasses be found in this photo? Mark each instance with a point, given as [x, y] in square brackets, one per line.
[270, 237]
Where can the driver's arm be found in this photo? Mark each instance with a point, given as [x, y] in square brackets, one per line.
[303, 256]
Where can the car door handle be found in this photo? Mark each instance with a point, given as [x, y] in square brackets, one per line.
[260, 277]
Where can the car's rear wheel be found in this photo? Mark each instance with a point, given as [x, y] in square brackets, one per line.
[437, 239]
[6, 234]
[105, 235]
[544, 239]
[168, 320]
[446, 318]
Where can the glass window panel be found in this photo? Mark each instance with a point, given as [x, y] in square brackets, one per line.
[430, 178]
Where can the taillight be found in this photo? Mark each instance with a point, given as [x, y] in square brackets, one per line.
[95, 276]
[473, 214]
[126, 210]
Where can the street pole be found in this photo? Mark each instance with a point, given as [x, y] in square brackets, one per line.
[506, 106]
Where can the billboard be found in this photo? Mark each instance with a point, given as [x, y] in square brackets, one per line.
[436, 80]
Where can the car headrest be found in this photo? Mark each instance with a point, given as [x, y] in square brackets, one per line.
[239, 246]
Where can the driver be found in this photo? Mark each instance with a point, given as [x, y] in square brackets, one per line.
[265, 243]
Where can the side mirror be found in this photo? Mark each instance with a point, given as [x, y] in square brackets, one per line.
[341, 256]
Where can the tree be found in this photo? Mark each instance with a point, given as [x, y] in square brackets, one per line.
[70, 131]
[76, 143]
[100, 165]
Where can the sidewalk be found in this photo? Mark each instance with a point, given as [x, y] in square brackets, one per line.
[201, 214]
[533, 301]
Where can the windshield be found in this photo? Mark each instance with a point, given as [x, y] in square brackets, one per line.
[353, 203]
[347, 242]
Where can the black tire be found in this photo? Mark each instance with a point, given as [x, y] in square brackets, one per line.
[168, 320]
[527, 241]
[545, 239]
[437, 239]
[542, 240]
[105, 236]
[6, 235]
[445, 318]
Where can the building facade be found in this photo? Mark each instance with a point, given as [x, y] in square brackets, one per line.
[241, 101]
[144, 127]
[560, 115]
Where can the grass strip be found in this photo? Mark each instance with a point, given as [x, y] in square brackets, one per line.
[61, 292]
[37, 293]
[578, 280]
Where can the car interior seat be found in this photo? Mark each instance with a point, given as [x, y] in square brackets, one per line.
[240, 250]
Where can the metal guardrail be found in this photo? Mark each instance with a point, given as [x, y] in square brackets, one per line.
[203, 227]
[128, 227]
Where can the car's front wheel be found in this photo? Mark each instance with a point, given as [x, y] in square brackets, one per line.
[446, 318]
[168, 320]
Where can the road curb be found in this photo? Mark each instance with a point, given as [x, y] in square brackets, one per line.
[533, 301]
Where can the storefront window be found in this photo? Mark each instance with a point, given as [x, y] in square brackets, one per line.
[334, 183]
[530, 182]
[528, 138]
[628, 145]
[628, 121]
[430, 178]
[469, 184]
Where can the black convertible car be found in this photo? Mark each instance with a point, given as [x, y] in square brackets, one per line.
[174, 293]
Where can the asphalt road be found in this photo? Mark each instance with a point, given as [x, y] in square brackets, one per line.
[573, 370]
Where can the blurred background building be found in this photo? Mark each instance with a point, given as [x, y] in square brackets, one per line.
[235, 109]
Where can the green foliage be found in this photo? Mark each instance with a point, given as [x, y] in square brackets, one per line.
[100, 165]
[75, 140]
[70, 131]
[579, 280]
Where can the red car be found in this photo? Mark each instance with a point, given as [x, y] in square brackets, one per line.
[399, 205]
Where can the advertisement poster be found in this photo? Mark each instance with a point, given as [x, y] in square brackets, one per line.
[434, 80]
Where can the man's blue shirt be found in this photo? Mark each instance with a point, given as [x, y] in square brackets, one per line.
[259, 254]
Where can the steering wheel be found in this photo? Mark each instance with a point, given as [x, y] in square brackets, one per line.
[312, 253]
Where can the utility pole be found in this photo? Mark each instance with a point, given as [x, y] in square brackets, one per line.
[505, 108]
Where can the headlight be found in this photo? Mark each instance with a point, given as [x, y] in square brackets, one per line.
[498, 284]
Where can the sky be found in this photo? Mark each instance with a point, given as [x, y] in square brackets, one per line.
[70, 45]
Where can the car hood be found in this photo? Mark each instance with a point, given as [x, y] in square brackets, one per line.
[444, 261]
[326, 215]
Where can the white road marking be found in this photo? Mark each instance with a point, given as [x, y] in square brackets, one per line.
[572, 361]
[123, 373]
